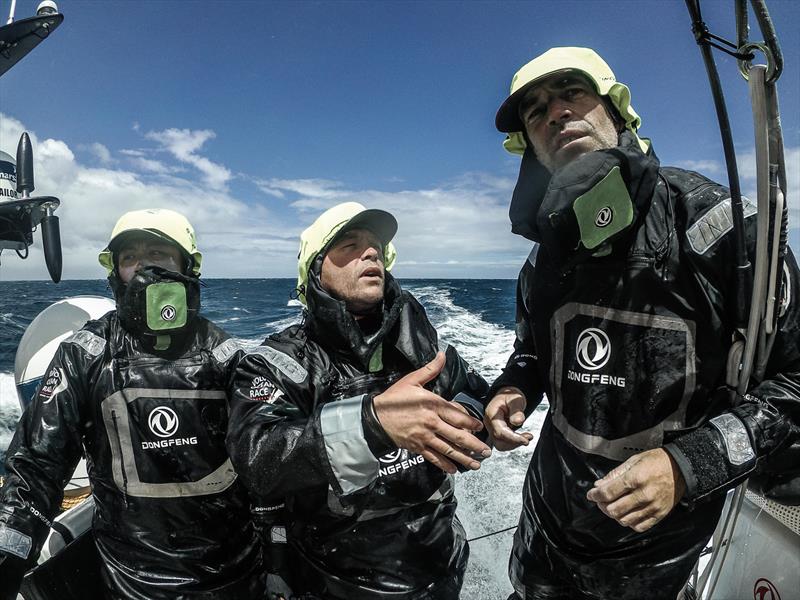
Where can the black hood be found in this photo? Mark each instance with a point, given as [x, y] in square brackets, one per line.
[328, 319]
[537, 186]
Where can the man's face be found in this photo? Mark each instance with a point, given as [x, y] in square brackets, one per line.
[564, 119]
[142, 250]
[352, 270]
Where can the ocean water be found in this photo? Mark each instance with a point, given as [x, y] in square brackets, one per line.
[476, 316]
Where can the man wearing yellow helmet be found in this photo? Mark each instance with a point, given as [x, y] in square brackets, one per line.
[624, 316]
[358, 418]
[140, 392]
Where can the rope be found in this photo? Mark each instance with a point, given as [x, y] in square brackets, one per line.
[486, 535]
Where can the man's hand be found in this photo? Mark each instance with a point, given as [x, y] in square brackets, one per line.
[506, 410]
[641, 491]
[427, 424]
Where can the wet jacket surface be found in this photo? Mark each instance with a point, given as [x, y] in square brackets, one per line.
[366, 520]
[171, 520]
[630, 350]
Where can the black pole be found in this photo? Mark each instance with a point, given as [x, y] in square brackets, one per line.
[743, 272]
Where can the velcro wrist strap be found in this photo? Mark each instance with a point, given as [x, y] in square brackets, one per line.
[718, 455]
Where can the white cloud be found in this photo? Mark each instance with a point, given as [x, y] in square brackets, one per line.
[100, 152]
[184, 145]
[457, 229]
[93, 198]
[712, 168]
[313, 188]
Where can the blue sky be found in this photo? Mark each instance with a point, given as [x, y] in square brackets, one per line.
[252, 117]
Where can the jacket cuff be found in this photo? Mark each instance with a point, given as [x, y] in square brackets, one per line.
[474, 407]
[717, 455]
[351, 460]
[379, 442]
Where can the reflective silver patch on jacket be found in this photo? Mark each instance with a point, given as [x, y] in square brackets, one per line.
[225, 350]
[283, 362]
[14, 542]
[93, 344]
[713, 225]
[534, 253]
[734, 434]
[348, 453]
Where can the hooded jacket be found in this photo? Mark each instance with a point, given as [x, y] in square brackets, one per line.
[631, 349]
[171, 520]
[366, 520]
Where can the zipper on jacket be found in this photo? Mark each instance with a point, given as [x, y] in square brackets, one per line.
[121, 459]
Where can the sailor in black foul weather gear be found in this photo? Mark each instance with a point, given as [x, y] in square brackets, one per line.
[314, 420]
[625, 317]
[142, 393]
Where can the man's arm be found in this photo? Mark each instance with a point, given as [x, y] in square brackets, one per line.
[280, 443]
[518, 390]
[42, 457]
[727, 448]
[274, 434]
[732, 446]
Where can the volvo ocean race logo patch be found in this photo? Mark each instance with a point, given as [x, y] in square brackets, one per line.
[394, 464]
[54, 382]
[604, 217]
[168, 313]
[263, 390]
[593, 351]
[164, 423]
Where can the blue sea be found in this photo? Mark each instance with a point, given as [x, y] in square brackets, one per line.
[476, 316]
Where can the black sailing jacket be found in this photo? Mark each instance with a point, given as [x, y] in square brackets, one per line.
[630, 350]
[171, 520]
[366, 520]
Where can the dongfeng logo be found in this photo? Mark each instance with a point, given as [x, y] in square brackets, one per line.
[604, 216]
[168, 313]
[765, 590]
[391, 456]
[593, 349]
[163, 421]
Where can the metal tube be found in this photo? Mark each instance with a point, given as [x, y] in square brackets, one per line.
[11, 12]
[758, 296]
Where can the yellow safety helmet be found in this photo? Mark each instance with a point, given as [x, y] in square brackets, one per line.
[160, 222]
[556, 60]
[343, 217]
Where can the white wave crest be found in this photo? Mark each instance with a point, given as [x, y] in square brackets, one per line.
[484, 345]
[9, 410]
